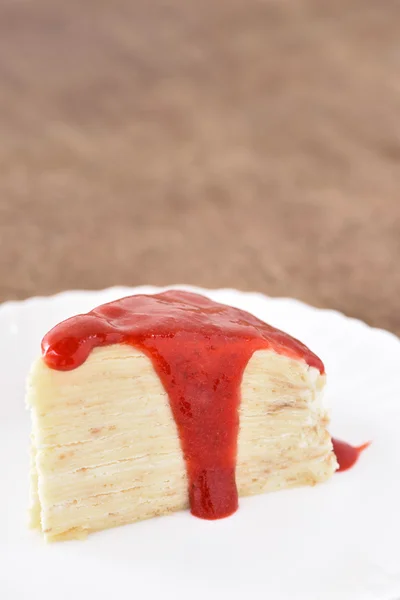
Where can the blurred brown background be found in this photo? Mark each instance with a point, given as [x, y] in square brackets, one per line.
[244, 143]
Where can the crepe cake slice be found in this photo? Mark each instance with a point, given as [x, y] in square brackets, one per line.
[153, 404]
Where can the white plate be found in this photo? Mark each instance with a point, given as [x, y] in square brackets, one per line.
[338, 541]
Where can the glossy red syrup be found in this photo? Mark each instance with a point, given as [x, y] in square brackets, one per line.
[346, 454]
[199, 350]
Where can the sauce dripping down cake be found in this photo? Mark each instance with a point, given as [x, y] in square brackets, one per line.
[154, 403]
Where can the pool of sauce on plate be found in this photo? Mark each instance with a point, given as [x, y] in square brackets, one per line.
[346, 454]
[199, 349]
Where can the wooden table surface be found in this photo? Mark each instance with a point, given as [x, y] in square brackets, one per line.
[244, 143]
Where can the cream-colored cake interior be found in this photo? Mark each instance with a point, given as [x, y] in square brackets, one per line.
[105, 449]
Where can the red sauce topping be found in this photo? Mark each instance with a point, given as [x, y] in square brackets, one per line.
[199, 350]
[347, 455]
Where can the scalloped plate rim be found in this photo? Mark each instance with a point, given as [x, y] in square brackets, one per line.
[137, 289]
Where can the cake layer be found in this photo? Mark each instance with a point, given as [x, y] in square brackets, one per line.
[106, 447]
[76, 519]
